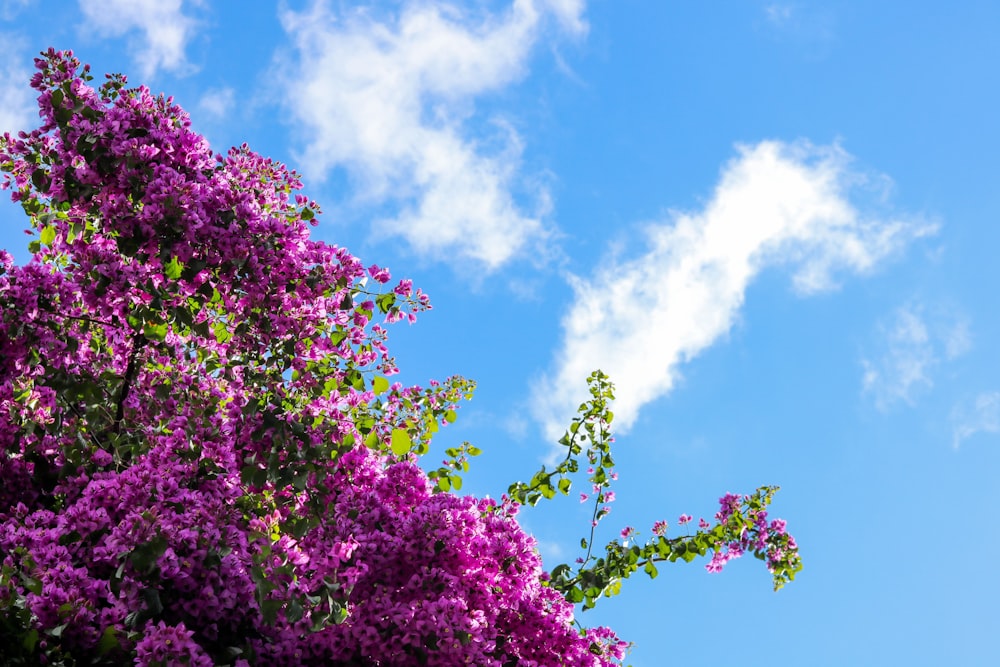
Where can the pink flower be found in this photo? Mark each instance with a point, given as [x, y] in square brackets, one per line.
[379, 274]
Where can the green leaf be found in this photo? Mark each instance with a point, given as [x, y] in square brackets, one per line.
[108, 642]
[400, 442]
[386, 301]
[31, 584]
[294, 611]
[40, 180]
[48, 235]
[73, 232]
[63, 115]
[355, 379]
[269, 610]
[154, 331]
[380, 385]
[222, 333]
[173, 269]
[144, 556]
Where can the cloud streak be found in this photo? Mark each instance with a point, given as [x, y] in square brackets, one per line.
[982, 415]
[389, 99]
[165, 30]
[639, 319]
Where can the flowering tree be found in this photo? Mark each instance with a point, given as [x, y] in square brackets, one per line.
[203, 458]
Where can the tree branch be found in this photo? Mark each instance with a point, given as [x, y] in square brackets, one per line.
[139, 342]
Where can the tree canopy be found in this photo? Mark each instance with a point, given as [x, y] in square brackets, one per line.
[205, 459]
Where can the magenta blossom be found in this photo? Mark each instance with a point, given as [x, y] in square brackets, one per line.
[203, 459]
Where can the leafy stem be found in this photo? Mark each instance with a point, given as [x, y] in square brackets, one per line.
[741, 526]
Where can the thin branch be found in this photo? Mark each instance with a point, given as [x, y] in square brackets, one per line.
[139, 342]
[81, 318]
[83, 419]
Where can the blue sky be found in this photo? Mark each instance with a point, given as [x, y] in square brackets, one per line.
[774, 224]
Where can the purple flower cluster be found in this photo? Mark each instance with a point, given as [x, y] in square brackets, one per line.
[169, 645]
[747, 520]
[198, 468]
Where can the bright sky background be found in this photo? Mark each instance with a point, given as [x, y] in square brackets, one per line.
[774, 224]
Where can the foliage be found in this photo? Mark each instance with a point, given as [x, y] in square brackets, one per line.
[741, 522]
[204, 459]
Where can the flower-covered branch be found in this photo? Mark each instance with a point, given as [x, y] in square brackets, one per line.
[741, 523]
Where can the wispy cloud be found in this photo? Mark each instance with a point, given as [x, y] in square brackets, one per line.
[912, 344]
[904, 366]
[17, 105]
[809, 26]
[389, 99]
[638, 319]
[982, 415]
[778, 14]
[165, 29]
[217, 102]
[956, 339]
[11, 8]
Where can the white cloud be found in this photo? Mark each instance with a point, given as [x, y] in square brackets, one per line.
[981, 416]
[9, 9]
[389, 100]
[913, 344]
[569, 13]
[17, 100]
[639, 319]
[217, 103]
[551, 551]
[165, 29]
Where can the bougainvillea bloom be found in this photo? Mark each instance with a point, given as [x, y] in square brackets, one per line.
[203, 460]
